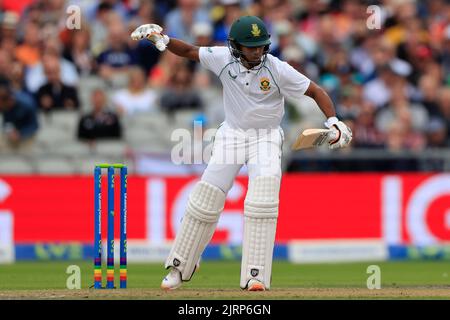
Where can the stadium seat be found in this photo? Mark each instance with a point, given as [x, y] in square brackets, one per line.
[185, 118]
[138, 134]
[66, 119]
[127, 121]
[86, 85]
[86, 164]
[151, 120]
[15, 165]
[112, 148]
[51, 137]
[36, 150]
[72, 149]
[54, 165]
[153, 147]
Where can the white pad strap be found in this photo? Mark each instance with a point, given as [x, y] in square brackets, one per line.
[197, 228]
[260, 221]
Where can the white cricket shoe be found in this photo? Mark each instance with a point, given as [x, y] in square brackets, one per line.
[172, 281]
[255, 285]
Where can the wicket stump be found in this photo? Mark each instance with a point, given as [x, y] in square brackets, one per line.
[110, 231]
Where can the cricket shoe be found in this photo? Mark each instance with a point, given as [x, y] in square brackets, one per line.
[172, 281]
[255, 285]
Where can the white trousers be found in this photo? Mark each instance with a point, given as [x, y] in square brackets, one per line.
[259, 149]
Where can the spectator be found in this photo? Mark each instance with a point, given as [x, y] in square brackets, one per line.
[444, 107]
[36, 78]
[202, 33]
[115, 61]
[446, 55]
[29, 51]
[147, 54]
[366, 135]
[273, 11]
[33, 13]
[78, 50]
[378, 91]
[203, 78]
[377, 52]
[398, 106]
[101, 123]
[361, 56]
[414, 46]
[116, 6]
[297, 59]
[349, 105]
[160, 75]
[55, 94]
[327, 40]
[231, 11]
[289, 30]
[8, 28]
[398, 140]
[400, 135]
[436, 133]
[180, 93]
[180, 20]
[429, 88]
[5, 63]
[401, 22]
[19, 120]
[54, 14]
[136, 97]
[13, 70]
[395, 137]
[146, 13]
[165, 6]
[99, 27]
[286, 37]
[18, 84]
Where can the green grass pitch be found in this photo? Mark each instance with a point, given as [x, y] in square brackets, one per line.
[220, 280]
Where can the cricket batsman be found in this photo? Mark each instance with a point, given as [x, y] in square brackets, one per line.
[254, 86]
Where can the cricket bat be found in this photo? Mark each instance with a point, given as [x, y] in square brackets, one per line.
[312, 138]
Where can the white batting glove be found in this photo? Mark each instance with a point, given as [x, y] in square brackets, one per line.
[153, 33]
[340, 136]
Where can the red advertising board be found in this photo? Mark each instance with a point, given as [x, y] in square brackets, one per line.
[399, 208]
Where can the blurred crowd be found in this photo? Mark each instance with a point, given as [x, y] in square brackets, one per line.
[389, 80]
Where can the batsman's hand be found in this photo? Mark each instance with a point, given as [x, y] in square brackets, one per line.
[341, 135]
[153, 33]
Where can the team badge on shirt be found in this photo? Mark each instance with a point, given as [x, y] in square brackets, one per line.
[264, 84]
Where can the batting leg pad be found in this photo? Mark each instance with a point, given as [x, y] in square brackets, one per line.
[260, 222]
[197, 228]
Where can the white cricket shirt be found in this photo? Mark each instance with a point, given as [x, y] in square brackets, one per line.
[253, 99]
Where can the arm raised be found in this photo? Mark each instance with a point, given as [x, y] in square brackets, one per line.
[153, 33]
[183, 49]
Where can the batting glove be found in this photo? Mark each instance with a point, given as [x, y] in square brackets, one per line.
[153, 33]
[340, 136]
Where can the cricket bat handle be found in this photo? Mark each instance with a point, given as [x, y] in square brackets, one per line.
[332, 136]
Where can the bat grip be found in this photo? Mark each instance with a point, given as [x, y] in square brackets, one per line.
[333, 136]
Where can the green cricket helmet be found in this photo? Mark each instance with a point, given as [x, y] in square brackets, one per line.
[248, 31]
